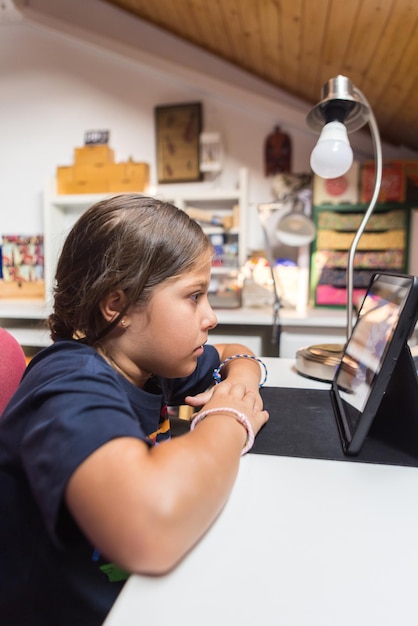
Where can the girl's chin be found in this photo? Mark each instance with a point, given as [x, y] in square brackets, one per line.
[184, 368]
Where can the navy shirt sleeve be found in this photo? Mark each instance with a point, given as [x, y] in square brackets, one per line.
[74, 412]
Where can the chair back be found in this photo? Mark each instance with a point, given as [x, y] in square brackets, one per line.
[12, 366]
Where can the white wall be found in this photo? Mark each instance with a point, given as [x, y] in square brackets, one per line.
[54, 88]
[57, 81]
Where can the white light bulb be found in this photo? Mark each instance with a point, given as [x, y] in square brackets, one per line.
[332, 156]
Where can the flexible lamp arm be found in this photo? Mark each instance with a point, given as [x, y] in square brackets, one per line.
[276, 328]
[344, 104]
[377, 149]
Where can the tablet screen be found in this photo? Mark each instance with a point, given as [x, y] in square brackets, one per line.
[382, 328]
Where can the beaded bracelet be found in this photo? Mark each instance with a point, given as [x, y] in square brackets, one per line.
[240, 417]
[217, 372]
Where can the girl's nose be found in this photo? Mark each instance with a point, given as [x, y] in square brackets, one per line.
[210, 321]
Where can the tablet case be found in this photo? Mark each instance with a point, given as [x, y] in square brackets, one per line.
[302, 423]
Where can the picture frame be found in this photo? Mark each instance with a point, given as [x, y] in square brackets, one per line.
[96, 137]
[178, 129]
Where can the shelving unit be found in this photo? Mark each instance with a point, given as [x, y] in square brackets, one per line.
[61, 211]
[25, 318]
[383, 246]
[229, 206]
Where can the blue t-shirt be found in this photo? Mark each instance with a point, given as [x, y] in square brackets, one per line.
[69, 403]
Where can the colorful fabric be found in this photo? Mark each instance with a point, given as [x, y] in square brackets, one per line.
[338, 278]
[380, 221]
[327, 295]
[335, 240]
[381, 259]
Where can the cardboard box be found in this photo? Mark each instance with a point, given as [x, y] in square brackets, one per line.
[344, 189]
[95, 155]
[393, 181]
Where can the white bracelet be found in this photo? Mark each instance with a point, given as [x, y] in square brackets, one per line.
[217, 372]
[240, 417]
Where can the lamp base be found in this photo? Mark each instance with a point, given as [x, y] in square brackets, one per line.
[319, 361]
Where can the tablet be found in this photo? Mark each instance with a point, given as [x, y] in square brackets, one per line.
[376, 352]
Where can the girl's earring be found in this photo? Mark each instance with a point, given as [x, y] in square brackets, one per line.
[123, 324]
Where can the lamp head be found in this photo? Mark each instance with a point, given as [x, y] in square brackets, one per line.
[295, 230]
[339, 111]
[339, 102]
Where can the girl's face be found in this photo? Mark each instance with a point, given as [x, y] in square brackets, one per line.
[166, 337]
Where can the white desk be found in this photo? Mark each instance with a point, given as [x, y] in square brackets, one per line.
[300, 543]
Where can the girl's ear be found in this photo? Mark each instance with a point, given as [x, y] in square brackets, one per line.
[112, 305]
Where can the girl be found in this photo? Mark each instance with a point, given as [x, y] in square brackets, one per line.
[92, 487]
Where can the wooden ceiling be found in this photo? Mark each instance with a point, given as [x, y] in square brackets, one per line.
[297, 45]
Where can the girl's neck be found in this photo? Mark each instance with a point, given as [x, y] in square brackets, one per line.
[139, 379]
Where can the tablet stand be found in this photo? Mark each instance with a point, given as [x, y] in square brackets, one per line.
[302, 422]
[396, 420]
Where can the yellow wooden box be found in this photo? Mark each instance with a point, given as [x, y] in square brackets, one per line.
[31, 290]
[96, 155]
[109, 178]
[129, 176]
[82, 179]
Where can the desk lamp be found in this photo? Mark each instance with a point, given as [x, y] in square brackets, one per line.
[285, 222]
[343, 108]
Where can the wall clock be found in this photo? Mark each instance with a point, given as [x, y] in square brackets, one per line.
[178, 128]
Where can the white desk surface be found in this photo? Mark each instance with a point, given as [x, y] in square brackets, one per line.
[301, 542]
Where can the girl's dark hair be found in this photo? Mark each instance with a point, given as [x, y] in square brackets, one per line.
[129, 242]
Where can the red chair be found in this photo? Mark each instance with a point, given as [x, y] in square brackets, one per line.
[12, 366]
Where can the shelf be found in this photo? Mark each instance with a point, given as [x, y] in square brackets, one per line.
[61, 212]
[224, 269]
[24, 310]
[199, 192]
[22, 317]
[362, 207]
[84, 200]
[218, 230]
[30, 337]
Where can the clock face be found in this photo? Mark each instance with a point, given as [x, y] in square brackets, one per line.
[178, 129]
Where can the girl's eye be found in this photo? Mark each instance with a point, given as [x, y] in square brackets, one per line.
[195, 297]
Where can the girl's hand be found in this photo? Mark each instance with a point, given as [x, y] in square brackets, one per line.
[200, 398]
[234, 396]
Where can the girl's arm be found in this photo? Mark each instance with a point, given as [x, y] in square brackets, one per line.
[144, 508]
[245, 371]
